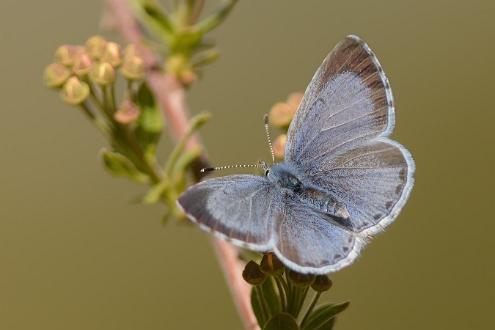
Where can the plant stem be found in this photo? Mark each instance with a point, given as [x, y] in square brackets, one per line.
[310, 308]
[170, 95]
[281, 292]
[100, 124]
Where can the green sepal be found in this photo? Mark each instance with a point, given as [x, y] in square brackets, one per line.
[281, 321]
[323, 317]
[150, 122]
[119, 165]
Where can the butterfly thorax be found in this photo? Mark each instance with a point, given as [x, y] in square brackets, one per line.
[296, 186]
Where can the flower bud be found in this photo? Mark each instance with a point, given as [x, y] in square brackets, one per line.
[95, 46]
[187, 77]
[321, 283]
[279, 146]
[111, 54]
[82, 65]
[74, 91]
[295, 99]
[130, 51]
[102, 73]
[253, 274]
[67, 54]
[300, 280]
[133, 68]
[55, 75]
[281, 114]
[127, 113]
[271, 265]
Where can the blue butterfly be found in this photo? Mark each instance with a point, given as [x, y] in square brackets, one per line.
[343, 180]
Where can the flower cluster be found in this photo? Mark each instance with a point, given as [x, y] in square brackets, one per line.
[279, 295]
[281, 115]
[86, 77]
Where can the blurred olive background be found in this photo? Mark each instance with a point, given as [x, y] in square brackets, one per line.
[75, 253]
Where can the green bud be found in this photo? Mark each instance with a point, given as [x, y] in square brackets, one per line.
[55, 75]
[133, 68]
[102, 73]
[95, 46]
[111, 54]
[67, 54]
[271, 265]
[300, 280]
[82, 65]
[321, 283]
[253, 274]
[74, 91]
[130, 51]
[179, 67]
[127, 113]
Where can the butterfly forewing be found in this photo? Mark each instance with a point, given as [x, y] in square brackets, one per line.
[338, 137]
[238, 208]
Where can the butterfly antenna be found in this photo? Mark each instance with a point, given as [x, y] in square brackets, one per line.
[267, 131]
[217, 168]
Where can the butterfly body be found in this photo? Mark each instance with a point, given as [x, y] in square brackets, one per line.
[295, 185]
[343, 179]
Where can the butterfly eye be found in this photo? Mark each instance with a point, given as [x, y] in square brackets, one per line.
[266, 172]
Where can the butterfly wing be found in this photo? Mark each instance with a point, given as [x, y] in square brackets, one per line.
[237, 208]
[339, 137]
[308, 241]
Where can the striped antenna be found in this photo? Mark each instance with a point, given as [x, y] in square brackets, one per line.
[217, 168]
[267, 130]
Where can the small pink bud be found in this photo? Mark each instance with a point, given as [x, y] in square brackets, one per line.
[95, 46]
[102, 73]
[295, 99]
[279, 146]
[133, 68]
[281, 114]
[111, 54]
[130, 51]
[67, 54]
[55, 75]
[74, 91]
[82, 65]
[127, 113]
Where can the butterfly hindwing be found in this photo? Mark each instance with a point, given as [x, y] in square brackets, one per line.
[310, 242]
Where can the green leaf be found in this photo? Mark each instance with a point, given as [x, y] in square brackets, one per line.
[194, 124]
[215, 19]
[118, 165]
[150, 122]
[281, 321]
[323, 317]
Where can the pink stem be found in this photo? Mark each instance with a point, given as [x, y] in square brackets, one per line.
[170, 95]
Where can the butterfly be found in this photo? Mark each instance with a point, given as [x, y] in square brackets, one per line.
[342, 181]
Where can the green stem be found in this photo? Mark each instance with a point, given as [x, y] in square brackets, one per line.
[281, 291]
[311, 307]
[301, 297]
[263, 307]
[100, 124]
